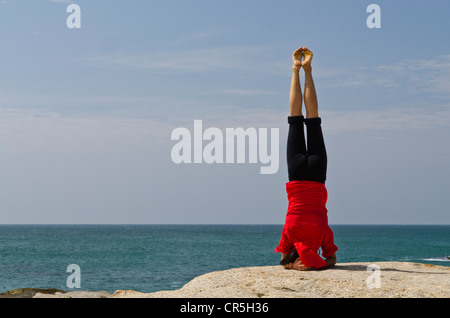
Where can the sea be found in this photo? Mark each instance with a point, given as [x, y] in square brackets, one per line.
[149, 258]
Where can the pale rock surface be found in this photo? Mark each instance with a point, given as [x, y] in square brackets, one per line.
[347, 280]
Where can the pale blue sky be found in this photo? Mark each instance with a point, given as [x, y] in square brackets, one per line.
[86, 114]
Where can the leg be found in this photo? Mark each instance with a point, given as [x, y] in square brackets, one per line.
[295, 96]
[296, 146]
[311, 104]
[317, 155]
[297, 159]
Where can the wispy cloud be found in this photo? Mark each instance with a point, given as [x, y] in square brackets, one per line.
[199, 60]
[403, 120]
[398, 120]
[242, 92]
[431, 76]
[196, 37]
[427, 75]
[28, 131]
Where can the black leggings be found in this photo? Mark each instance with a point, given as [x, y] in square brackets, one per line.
[306, 164]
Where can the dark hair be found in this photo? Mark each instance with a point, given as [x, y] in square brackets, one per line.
[290, 258]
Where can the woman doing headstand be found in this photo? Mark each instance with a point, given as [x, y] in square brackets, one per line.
[306, 228]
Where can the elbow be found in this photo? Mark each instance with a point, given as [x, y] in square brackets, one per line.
[331, 261]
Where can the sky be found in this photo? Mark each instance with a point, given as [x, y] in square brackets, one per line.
[87, 114]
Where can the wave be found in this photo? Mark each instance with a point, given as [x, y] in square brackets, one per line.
[438, 259]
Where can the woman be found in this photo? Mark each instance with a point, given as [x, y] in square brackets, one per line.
[306, 227]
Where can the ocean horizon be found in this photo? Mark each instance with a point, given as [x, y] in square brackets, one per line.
[154, 257]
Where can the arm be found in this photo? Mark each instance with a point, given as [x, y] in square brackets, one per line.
[283, 256]
[331, 261]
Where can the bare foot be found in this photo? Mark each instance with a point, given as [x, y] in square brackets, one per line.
[307, 58]
[297, 59]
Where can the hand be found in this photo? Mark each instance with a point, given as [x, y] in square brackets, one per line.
[298, 265]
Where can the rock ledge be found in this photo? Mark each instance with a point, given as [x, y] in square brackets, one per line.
[345, 280]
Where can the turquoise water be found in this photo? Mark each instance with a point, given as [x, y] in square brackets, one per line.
[149, 258]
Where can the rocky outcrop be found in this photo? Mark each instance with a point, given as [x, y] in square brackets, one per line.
[52, 293]
[349, 280]
[29, 292]
[346, 280]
